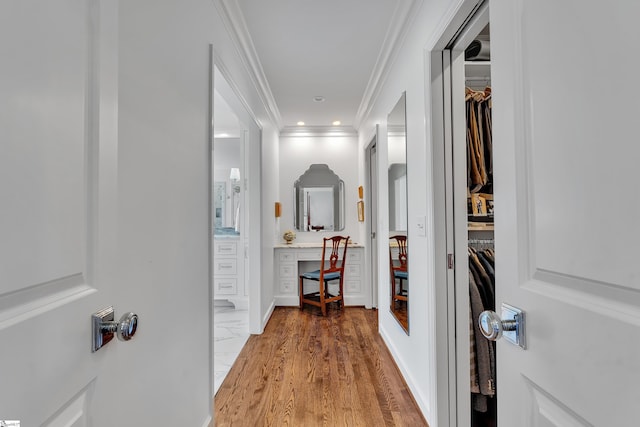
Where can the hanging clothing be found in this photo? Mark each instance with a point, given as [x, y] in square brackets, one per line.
[482, 351]
[479, 140]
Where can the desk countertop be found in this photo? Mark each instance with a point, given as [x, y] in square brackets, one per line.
[311, 245]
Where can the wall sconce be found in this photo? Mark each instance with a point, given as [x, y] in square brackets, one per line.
[234, 176]
[361, 211]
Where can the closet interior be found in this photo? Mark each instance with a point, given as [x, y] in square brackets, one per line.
[480, 221]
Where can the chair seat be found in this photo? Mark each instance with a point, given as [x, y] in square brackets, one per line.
[315, 275]
[401, 275]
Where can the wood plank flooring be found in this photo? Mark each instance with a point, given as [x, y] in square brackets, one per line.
[306, 370]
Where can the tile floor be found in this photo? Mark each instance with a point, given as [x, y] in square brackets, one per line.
[230, 333]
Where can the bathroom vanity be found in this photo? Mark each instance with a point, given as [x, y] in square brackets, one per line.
[228, 269]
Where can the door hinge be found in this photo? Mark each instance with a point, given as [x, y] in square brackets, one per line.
[450, 262]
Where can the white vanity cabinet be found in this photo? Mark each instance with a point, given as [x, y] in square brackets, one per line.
[291, 260]
[228, 283]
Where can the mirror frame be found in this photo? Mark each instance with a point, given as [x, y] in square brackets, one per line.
[319, 175]
[396, 129]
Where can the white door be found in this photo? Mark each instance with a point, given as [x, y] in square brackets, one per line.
[57, 187]
[82, 227]
[567, 208]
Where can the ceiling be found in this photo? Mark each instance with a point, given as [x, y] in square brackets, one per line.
[304, 49]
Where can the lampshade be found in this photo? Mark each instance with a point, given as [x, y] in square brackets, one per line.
[235, 174]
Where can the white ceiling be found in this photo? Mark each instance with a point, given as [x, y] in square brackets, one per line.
[328, 48]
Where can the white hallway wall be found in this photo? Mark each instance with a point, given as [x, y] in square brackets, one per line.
[297, 153]
[163, 150]
[415, 353]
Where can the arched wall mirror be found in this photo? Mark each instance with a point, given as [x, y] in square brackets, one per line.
[318, 200]
[398, 242]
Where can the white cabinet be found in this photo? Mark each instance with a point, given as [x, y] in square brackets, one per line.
[291, 260]
[228, 274]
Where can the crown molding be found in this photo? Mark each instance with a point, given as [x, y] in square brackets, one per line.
[219, 63]
[236, 25]
[318, 131]
[398, 28]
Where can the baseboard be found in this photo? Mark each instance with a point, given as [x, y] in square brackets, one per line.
[208, 422]
[294, 301]
[417, 397]
[286, 301]
[357, 300]
[267, 316]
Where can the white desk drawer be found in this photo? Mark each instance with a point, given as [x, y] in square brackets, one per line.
[225, 248]
[225, 266]
[225, 286]
[311, 255]
[354, 256]
[287, 257]
[352, 286]
[288, 287]
[352, 270]
[287, 270]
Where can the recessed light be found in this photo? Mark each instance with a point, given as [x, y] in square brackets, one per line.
[337, 122]
[318, 98]
[222, 135]
[300, 123]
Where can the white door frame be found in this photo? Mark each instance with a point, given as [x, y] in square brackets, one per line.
[251, 243]
[370, 219]
[450, 223]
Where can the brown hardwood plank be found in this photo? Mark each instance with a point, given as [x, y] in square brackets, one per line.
[309, 370]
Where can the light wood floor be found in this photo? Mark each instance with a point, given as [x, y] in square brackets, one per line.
[306, 370]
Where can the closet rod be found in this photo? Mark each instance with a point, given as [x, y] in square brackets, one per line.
[481, 243]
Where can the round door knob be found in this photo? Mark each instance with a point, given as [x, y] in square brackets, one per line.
[127, 326]
[492, 326]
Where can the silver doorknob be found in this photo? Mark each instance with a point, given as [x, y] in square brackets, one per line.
[104, 327]
[510, 325]
[492, 326]
[125, 329]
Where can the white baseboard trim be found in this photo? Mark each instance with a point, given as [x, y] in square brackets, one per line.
[267, 316]
[286, 301]
[208, 422]
[422, 404]
[294, 301]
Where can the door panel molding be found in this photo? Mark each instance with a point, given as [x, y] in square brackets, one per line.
[75, 412]
[546, 410]
[605, 299]
[32, 301]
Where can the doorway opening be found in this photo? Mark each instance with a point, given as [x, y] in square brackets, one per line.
[464, 183]
[235, 229]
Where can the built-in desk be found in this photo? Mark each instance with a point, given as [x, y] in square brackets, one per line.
[296, 258]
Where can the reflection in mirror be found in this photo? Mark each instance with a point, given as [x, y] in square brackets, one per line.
[398, 242]
[318, 197]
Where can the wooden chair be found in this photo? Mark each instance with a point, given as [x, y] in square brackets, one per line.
[399, 271]
[326, 273]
